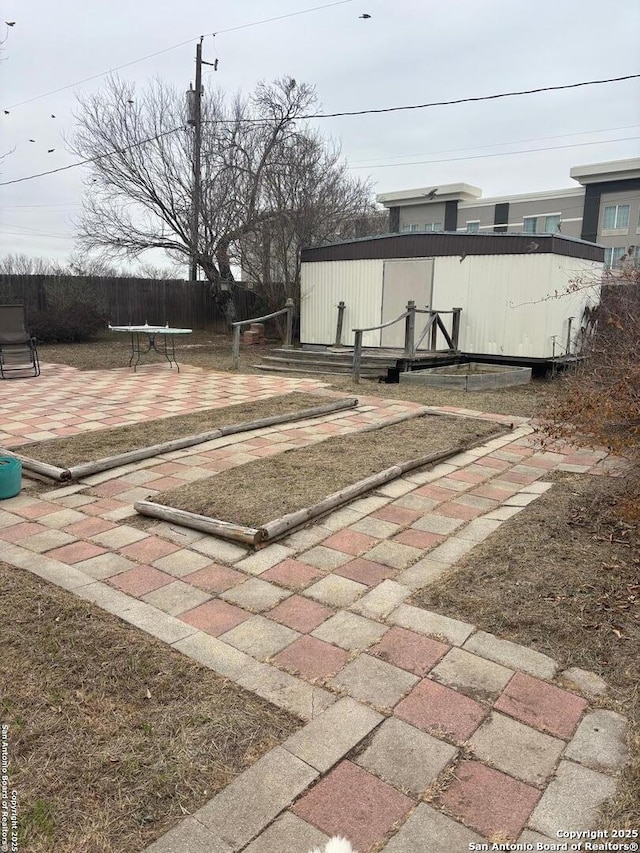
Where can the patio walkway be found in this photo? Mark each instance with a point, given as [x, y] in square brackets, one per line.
[423, 734]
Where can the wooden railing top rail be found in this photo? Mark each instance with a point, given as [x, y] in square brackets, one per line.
[403, 317]
[266, 316]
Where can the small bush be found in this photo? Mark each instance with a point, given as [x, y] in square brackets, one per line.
[74, 312]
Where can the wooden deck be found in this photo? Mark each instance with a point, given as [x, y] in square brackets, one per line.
[376, 363]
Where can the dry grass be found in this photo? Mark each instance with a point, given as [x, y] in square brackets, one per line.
[521, 400]
[265, 490]
[86, 447]
[113, 736]
[563, 577]
[110, 350]
[212, 351]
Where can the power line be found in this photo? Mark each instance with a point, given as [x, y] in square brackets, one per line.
[334, 115]
[497, 154]
[174, 47]
[479, 98]
[495, 144]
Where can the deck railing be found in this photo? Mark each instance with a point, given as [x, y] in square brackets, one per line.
[434, 323]
[288, 309]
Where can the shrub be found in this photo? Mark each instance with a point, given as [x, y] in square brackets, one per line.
[599, 403]
[74, 311]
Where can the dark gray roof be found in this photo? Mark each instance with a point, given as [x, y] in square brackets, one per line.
[430, 244]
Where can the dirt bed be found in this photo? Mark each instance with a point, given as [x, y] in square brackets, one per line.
[86, 447]
[262, 491]
[113, 737]
[563, 577]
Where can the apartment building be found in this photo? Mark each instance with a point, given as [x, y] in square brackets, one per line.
[603, 208]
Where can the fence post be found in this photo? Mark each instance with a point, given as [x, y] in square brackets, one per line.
[455, 327]
[341, 307]
[410, 329]
[357, 355]
[235, 349]
[434, 330]
[290, 306]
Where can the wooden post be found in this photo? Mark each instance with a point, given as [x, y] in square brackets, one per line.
[410, 329]
[434, 331]
[341, 307]
[290, 306]
[235, 348]
[357, 355]
[455, 327]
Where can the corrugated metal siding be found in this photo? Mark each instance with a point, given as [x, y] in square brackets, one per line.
[323, 285]
[509, 306]
[444, 244]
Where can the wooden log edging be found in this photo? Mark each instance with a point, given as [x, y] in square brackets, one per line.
[224, 529]
[52, 472]
[276, 528]
[84, 469]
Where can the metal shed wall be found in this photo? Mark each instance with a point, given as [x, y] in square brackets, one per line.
[509, 304]
[324, 283]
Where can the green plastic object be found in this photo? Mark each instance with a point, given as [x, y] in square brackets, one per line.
[10, 477]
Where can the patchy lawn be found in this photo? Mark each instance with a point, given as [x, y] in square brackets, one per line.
[254, 494]
[113, 736]
[563, 576]
[110, 350]
[88, 446]
[212, 351]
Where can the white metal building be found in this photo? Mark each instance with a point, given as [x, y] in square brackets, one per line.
[515, 290]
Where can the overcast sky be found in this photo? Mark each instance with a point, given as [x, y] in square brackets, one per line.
[407, 52]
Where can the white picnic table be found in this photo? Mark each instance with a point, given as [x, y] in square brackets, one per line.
[160, 339]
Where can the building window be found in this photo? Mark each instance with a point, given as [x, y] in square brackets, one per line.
[406, 228]
[433, 226]
[612, 257]
[615, 216]
[542, 224]
[473, 227]
[552, 224]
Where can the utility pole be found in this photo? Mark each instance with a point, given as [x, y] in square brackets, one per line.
[196, 119]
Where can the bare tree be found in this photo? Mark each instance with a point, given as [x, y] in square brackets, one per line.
[17, 263]
[139, 192]
[309, 198]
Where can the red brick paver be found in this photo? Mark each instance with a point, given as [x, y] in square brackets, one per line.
[312, 658]
[140, 581]
[410, 651]
[489, 801]
[541, 705]
[396, 514]
[293, 574]
[149, 549]
[353, 803]
[350, 542]
[419, 538]
[215, 617]
[435, 708]
[301, 614]
[76, 552]
[214, 578]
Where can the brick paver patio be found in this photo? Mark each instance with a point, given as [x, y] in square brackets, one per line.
[421, 733]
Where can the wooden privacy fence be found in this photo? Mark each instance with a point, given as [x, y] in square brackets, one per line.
[131, 301]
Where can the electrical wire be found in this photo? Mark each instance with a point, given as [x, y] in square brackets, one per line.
[173, 47]
[471, 100]
[351, 113]
[497, 154]
[495, 144]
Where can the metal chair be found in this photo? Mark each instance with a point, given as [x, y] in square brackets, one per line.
[18, 352]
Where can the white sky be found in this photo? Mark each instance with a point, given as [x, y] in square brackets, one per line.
[408, 52]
